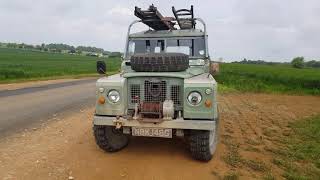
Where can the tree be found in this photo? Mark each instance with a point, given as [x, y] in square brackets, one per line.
[298, 62]
[43, 46]
[313, 64]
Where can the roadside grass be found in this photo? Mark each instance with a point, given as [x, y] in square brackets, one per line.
[252, 149]
[234, 159]
[18, 65]
[269, 176]
[300, 159]
[223, 89]
[268, 78]
[231, 176]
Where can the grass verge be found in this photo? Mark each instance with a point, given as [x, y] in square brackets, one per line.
[301, 157]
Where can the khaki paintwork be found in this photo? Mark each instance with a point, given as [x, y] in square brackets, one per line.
[195, 78]
[200, 83]
[115, 82]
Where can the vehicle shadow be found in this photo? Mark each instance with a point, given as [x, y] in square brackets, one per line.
[159, 146]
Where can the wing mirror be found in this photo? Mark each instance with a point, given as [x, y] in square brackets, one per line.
[101, 67]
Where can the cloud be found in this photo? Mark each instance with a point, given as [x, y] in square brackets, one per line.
[120, 11]
[266, 29]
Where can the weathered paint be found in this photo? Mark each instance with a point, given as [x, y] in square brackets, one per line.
[115, 82]
[200, 84]
[174, 124]
[197, 83]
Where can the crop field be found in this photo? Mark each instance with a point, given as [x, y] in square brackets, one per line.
[270, 78]
[19, 65]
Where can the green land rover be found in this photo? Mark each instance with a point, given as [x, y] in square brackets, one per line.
[165, 89]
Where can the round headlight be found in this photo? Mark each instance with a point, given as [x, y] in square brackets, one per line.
[194, 98]
[114, 96]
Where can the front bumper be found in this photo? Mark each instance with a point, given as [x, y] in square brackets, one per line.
[172, 124]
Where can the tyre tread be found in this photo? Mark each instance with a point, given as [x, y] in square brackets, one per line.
[199, 145]
[159, 62]
[102, 139]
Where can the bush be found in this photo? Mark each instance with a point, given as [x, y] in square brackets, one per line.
[298, 62]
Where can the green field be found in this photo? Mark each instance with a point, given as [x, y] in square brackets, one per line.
[269, 78]
[21, 65]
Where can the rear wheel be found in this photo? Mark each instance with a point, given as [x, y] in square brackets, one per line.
[110, 139]
[203, 144]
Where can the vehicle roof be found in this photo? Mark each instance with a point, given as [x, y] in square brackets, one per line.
[168, 33]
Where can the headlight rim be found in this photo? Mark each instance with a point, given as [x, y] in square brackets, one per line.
[108, 96]
[200, 95]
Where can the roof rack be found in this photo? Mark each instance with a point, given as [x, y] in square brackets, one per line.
[182, 18]
[154, 19]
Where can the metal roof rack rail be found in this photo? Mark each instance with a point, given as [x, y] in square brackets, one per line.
[154, 19]
[182, 18]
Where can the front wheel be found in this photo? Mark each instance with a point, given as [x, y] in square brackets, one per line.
[110, 139]
[203, 144]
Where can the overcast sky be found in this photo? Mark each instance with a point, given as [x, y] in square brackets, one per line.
[274, 30]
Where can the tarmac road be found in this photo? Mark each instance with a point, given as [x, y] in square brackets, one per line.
[24, 107]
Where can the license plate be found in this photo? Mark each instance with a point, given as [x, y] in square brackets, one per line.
[152, 132]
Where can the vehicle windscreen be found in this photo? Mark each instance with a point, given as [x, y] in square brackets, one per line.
[192, 47]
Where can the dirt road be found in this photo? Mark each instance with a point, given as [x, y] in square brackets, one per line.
[63, 147]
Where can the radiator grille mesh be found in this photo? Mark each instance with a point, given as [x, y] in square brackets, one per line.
[175, 94]
[135, 93]
[149, 90]
[155, 91]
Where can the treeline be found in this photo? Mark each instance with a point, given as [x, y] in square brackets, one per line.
[62, 48]
[245, 61]
[297, 62]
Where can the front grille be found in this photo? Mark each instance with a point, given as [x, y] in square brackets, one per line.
[155, 91]
[175, 94]
[135, 93]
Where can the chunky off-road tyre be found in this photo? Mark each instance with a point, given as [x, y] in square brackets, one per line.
[203, 144]
[159, 62]
[110, 139]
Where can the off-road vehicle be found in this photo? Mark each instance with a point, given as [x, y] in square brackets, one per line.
[165, 88]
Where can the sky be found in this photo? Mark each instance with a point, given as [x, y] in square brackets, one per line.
[272, 30]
